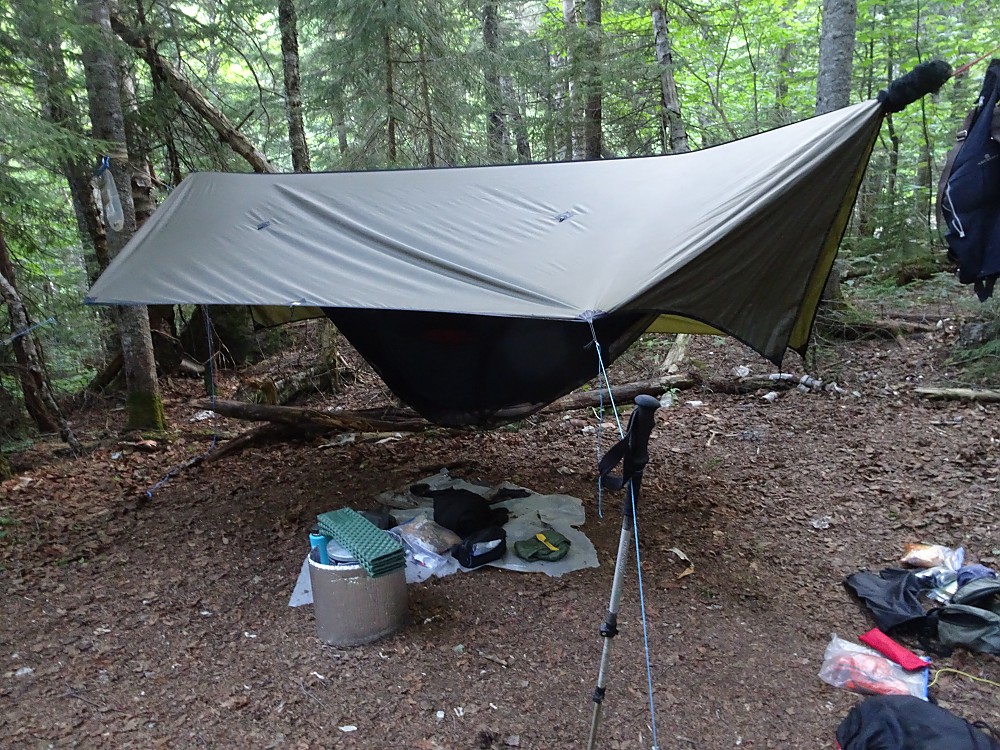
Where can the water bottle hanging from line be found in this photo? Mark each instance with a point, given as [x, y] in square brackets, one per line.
[109, 196]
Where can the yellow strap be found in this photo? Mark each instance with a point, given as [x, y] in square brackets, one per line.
[541, 537]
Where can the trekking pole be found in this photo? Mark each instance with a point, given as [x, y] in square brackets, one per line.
[633, 451]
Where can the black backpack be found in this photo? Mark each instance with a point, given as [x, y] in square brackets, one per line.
[902, 722]
[968, 201]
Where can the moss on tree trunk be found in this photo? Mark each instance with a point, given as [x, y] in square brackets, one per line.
[145, 411]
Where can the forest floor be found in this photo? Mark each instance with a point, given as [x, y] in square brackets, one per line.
[135, 622]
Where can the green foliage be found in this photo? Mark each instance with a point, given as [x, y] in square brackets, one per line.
[979, 363]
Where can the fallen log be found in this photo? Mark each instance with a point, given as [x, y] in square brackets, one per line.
[393, 419]
[958, 394]
[103, 379]
[743, 386]
[854, 330]
[624, 393]
[375, 420]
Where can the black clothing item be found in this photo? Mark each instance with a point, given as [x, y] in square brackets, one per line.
[902, 722]
[892, 597]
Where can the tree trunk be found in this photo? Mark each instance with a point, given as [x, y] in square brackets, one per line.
[784, 73]
[138, 151]
[669, 100]
[573, 142]
[227, 131]
[836, 55]
[496, 129]
[145, 407]
[924, 186]
[55, 93]
[592, 114]
[552, 110]
[161, 89]
[11, 416]
[425, 98]
[58, 108]
[833, 85]
[288, 24]
[390, 96]
[38, 396]
[514, 106]
[342, 144]
[162, 322]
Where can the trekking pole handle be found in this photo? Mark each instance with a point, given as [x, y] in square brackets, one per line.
[640, 426]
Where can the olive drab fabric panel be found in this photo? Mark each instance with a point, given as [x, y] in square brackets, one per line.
[731, 238]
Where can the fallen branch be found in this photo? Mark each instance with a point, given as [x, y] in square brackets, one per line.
[675, 356]
[262, 434]
[958, 394]
[228, 132]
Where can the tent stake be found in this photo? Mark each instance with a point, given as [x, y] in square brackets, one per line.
[633, 451]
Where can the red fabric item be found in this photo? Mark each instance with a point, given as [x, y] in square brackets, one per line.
[867, 674]
[889, 648]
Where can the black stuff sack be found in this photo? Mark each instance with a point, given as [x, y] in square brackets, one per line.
[482, 547]
[902, 722]
[465, 512]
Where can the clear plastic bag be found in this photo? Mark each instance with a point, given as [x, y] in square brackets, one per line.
[941, 566]
[862, 670]
[426, 546]
[428, 535]
[932, 556]
[109, 197]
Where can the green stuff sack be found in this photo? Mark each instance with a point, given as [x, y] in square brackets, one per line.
[972, 620]
[540, 547]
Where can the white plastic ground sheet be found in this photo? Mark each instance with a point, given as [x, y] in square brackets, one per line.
[528, 516]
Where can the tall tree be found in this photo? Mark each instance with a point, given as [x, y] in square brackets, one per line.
[38, 397]
[592, 108]
[569, 106]
[288, 24]
[145, 407]
[833, 84]
[669, 100]
[496, 129]
[40, 28]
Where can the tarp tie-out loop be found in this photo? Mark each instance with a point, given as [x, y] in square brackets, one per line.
[602, 382]
[26, 331]
[964, 68]
[211, 391]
